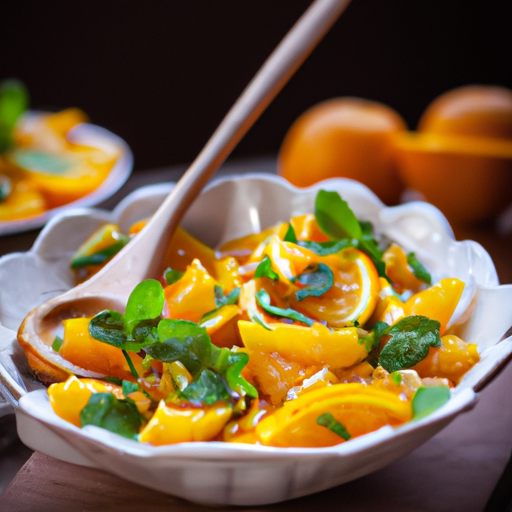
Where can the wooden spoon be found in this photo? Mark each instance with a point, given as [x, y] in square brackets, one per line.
[142, 258]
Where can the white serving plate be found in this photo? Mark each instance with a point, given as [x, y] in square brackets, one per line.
[236, 474]
[95, 137]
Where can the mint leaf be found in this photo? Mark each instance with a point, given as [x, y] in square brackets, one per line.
[329, 421]
[372, 340]
[101, 256]
[13, 103]
[230, 364]
[129, 387]
[409, 341]
[184, 341]
[316, 281]
[427, 399]
[171, 275]
[187, 342]
[263, 299]
[418, 269]
[221, 300]
[225, 300]
[108, 326]
[326, 248]
[338, 221]
[145, 302]
[207, 388]
[106, 411]
[290, 235]
[335, 218]
[264, 269]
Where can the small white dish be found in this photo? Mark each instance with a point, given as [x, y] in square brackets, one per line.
[95, 137]
[237, 474]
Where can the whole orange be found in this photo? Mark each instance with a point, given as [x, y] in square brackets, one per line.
[473, 110]
[344, 137]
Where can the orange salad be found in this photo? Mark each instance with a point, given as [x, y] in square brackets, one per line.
[41, 166]
[308, 334]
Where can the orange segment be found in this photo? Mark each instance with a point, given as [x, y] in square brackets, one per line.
[437, 302]
[184, 248]
[81, 349]
[69, 398]
[172, 424]
[192, 296]
[451, 361]
[359, 408]
[311, 346]
[398, 269]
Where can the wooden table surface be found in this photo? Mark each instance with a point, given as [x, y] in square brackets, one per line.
[457, 470]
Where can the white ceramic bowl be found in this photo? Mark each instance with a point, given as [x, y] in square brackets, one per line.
[237, 474]
[95, 137]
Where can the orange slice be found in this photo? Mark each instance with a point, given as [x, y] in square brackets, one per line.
[359, 409]
[354, 293]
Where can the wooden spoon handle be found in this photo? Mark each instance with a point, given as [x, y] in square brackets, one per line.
[270, 79]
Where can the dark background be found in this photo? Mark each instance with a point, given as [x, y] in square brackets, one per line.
[162, 74]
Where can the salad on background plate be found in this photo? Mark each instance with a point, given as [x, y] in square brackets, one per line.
[52, 160]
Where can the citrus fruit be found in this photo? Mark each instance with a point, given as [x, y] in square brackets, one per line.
[344, 137]
[353, 295]
[474, 110]
[310, 346]
[357, 408]
[460, 157]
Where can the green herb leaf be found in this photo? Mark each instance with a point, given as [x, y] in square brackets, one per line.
[338, 221]
[57, 343]
[327, 248]
[114, 380]
[418, 269]
[427, 399]
[129, 387]
[13, 103]
[207, 388]
[171, 275]
[316, 282]
[106, 411]
[264, 269]
[145, 302]
[108, 326]
[329, 421]
[230, 364]
[182, 340]
[101, 256]
[226, 300]
[146, 332]
[263, 299]
[372, 340]
[187, 342]
[396, 378]
[335, 218]
[290, 235]
[409, 342]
